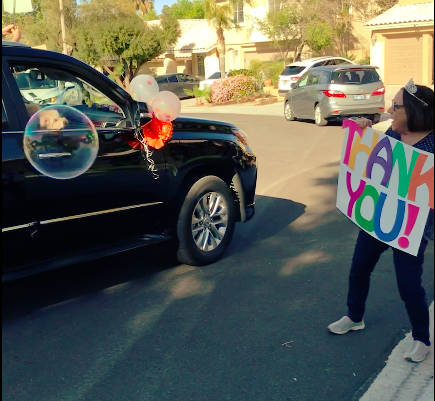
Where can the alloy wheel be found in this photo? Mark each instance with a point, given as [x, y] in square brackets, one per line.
[209, 221]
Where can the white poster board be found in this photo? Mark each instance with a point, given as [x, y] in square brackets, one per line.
[385, 186]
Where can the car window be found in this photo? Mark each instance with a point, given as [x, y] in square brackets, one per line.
[43, 86]
[313, 78]
[319, 64]
[161, 80]
[292, 70]
[215, 75]
[355, 76]
[341, 61]
[172, 78]
[330, 62]
[303, 81]
[184, 78]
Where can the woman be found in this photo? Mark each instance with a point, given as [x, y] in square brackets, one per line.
[412, 123]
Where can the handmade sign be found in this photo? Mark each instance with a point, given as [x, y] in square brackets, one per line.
[385, 186]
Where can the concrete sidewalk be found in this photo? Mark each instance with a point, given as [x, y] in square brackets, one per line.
[400, 380]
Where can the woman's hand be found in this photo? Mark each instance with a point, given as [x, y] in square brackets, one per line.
[363, 122]
[13, 30]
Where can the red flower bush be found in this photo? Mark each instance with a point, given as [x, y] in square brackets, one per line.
[232, 89]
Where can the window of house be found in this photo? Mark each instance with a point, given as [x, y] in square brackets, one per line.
[238, 12]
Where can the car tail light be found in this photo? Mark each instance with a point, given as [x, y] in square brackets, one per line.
[295, 78]
[381, 108]
[333, 93]
[380, 91]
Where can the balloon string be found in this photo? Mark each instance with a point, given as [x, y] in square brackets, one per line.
[147, 154]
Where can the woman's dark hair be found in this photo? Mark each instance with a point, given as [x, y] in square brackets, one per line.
[419, 116]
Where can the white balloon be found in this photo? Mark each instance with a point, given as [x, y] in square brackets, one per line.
[166, 106]
[143, 88]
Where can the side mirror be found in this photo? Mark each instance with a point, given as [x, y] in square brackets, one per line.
[144, 112]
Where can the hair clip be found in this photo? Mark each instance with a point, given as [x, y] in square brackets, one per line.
[412, 90]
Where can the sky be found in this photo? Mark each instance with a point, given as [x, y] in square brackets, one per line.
[158, 4]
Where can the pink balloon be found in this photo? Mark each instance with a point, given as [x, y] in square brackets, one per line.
[166, 106]
[143, 88]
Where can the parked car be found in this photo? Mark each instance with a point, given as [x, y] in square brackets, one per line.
[335, 92]
[212, 78]
[203, 181]
[176, 83]
[292, 72]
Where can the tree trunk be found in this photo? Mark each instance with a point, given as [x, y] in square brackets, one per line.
[221, 50]
[298, 51]
[110, 71]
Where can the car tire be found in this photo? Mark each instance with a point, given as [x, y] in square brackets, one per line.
[375, 118]
[206, 222]
[288, 112]
[319, 119]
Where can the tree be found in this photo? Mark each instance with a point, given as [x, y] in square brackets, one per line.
[221, 16]
[118, 41]
[184, 9]
[295, 25]
[42, 26]
[282, 27]
[318, 36]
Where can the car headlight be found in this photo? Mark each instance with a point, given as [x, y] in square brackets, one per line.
[241, 135]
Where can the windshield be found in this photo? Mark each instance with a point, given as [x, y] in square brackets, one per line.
[215, 75]
[26, 81]
[355, 76]
[292, 70]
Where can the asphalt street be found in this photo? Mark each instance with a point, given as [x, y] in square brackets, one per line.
[251, 327]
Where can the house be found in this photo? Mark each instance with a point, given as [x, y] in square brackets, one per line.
[402, 42]
[195, 51]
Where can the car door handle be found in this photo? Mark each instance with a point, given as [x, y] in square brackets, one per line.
[54, 155]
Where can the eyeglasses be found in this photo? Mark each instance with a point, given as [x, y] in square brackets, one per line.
[396, 106]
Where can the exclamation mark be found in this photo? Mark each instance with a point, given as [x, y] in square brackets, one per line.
[412, 217]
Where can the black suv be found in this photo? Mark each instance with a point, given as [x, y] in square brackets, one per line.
[193, 189]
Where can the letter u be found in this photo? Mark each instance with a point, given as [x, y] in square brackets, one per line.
[392, 235]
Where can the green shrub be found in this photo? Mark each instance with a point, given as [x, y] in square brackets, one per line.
[365, 61]
[268, 69]
[199, 93]
[242, 71]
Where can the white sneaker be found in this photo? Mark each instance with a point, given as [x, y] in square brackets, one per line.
[344, 325]
[418, 352]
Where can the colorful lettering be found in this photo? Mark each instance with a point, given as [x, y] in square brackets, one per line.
[418, 178]
[353, 127]
[386, 164]
[392, 235]
[367, 224]
[354, 195]
[404, 172]
[359, 147]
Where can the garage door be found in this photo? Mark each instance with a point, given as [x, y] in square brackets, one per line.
[403, 59]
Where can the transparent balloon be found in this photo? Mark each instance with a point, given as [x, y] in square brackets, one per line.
[60, 142]
[166, 106]
[143, 88]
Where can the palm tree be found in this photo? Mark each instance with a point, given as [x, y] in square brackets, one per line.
[221, 16]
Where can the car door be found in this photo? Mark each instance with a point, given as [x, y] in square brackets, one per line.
[173, 85]
[162, 81]
[114, 200]
[298, 96]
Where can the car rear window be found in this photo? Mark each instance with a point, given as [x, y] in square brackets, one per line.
[292, 69]
[353, 76]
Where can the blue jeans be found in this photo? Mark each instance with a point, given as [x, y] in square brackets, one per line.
[408, 275]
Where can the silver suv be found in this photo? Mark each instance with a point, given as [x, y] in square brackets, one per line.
[335, 92]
